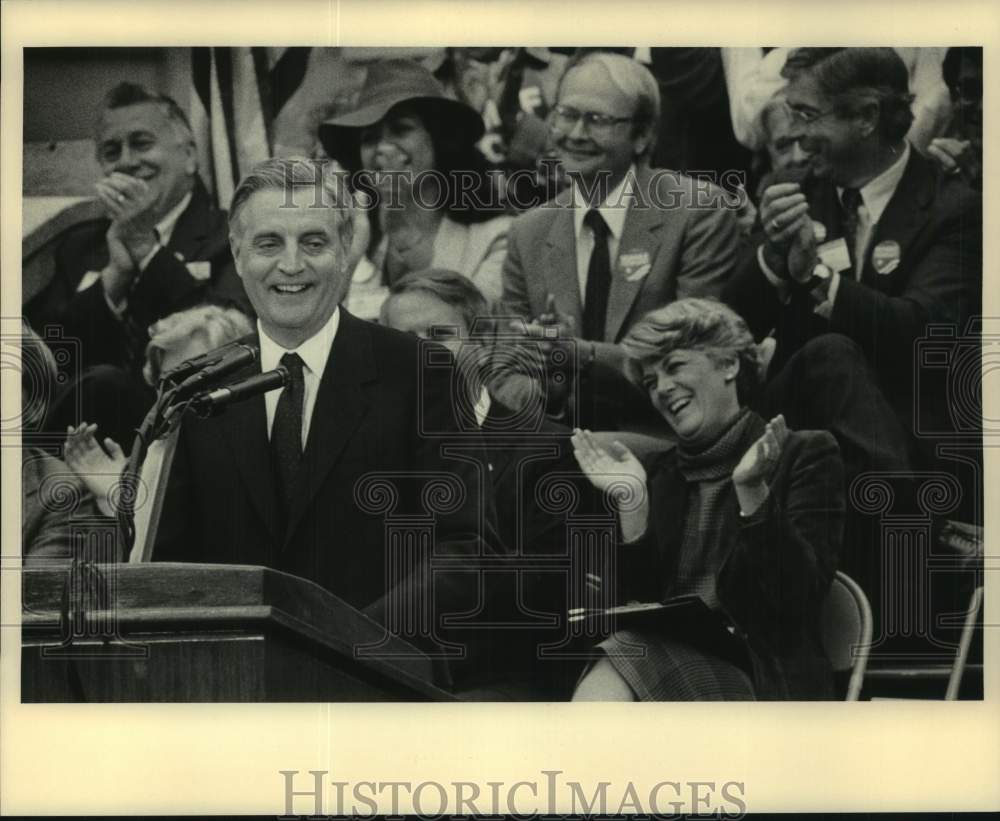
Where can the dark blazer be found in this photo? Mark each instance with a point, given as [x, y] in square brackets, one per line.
[166, 285]
[937, 222]
[690, 238]
[532, 468]
[377, 411]
[778, 566]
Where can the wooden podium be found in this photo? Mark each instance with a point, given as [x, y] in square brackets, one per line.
[203, 633]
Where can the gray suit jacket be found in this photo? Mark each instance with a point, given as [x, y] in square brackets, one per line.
[681, 225]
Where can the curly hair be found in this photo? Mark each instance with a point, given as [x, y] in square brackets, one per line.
[700, 325]
[214, 325]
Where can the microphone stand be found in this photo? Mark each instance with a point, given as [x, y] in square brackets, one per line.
[173, 401]
[162, 418]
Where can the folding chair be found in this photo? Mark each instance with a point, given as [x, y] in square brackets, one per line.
[847, 630]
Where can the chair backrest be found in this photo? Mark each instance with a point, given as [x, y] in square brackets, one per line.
[847, 630]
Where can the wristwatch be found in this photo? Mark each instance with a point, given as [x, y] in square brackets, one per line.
[818, 285]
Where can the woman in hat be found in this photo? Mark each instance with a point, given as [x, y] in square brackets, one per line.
[436, 203]
[744, 514]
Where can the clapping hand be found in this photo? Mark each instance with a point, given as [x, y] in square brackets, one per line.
[750, 475]
[99, 471]
[130, 203]
[606, 469]
[783, 213]
[954, 156]
[620, 475]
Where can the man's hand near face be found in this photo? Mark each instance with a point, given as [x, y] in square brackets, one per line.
[783, 213]
[130, 202]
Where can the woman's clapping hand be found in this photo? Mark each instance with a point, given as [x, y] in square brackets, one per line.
[750, 475]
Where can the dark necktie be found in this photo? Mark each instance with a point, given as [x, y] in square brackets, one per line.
[286, 432]
[850, 200]
[595, 304]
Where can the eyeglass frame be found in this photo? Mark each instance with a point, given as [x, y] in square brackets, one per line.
[593, 121]
[797, 115]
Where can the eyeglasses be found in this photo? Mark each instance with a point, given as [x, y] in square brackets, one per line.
[805, 116]
[565, 119]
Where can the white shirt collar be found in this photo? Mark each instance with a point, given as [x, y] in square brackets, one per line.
[614, 209]
[314, 351]
[165, 227]
[876, 193]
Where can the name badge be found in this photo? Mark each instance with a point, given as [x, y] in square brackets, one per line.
[834, 255]
[635, 265]
[885, 257]
[201, 270]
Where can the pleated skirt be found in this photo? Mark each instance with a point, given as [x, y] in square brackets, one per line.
[664, 668]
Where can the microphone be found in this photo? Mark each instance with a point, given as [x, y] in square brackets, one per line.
[209, 403]
[196, 363]
[240, 356]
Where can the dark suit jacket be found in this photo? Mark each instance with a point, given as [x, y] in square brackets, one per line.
[374, 405]
[164, 287]
[937, 222]
[529, 464]
[690, 238]
[778, 566]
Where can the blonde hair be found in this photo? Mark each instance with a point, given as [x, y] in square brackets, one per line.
[705, 325]
[213, 325]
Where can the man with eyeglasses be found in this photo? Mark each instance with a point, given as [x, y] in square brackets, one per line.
[853, 263]
[623, 238]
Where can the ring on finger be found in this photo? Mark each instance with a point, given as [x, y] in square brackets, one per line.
[775, 226]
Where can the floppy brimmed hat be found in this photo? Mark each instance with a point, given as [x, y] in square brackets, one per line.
[389, 83]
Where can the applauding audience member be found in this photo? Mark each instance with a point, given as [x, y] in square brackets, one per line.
[163, 247]
[873, 246]
[52, 494]
[623, 239]
[744, 514]
[174, 339]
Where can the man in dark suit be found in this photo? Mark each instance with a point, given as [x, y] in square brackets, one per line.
[623, 238]
[162, 248]
[875, 245]
[851, 268]
[316, 479]
[537, 490]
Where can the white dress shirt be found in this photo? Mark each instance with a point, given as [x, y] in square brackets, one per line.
[314, 353]
[875, 197]
[614, 210]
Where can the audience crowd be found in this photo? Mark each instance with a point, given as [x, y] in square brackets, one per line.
[690, 284]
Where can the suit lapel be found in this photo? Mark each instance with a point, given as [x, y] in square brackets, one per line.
[245, 426]
[339, 409]
[559, 266]
[638, 237]
[903, 217]
[196, 225]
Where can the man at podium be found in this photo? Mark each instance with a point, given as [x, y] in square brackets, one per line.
[354, 473]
